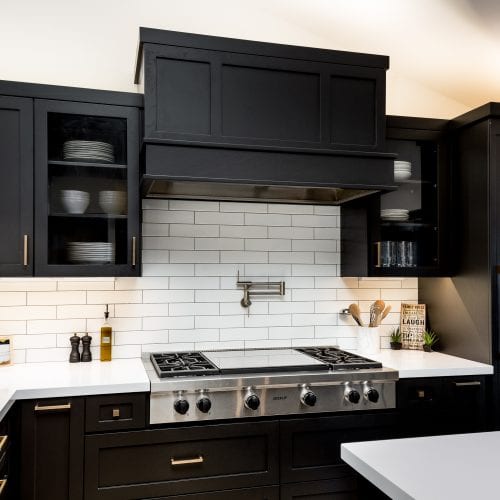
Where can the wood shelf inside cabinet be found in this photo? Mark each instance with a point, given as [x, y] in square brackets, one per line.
[73, 164]
[88, 216]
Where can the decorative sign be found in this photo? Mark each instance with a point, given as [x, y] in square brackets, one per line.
[412, 325]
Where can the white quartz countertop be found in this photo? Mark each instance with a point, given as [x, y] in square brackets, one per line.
[413, 363]
[458, 467]
[63, 379]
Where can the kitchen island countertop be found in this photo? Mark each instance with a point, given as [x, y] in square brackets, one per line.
[457, 466]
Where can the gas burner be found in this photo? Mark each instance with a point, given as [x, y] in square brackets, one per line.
[338, 359]
[175, 364]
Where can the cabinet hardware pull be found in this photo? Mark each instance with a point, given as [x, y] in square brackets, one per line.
[379, 257]
[465, 384]
[421, 393]
[134, 251]
[187, 461]
[116, 412]
[3, 442]
[25, 250]
[62, 407]
[3, 483]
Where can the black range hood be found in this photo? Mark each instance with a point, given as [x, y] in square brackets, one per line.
[242, 120]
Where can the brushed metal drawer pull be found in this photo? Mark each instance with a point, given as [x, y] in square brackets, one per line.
[379, 256]
[467, 384]
[3, 484]
[187, 461]
[3, 442]
[62, 407]
[25, 250]
[116, 412]
[134, 251]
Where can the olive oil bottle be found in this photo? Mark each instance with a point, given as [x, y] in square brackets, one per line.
[106, 338]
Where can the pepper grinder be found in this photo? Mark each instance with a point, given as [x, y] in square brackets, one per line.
[74, 357]
[86, 354]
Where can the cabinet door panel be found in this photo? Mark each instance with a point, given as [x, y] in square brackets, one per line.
[16, 187]
[52, 449]
[86, 182]
[266, 493]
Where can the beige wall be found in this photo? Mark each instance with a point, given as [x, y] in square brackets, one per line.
[93, 43]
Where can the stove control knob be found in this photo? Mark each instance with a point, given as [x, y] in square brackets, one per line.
[252, 401]
[308, 398]
[353, 396]
[370, 393]
[204, 404]
[181, 406]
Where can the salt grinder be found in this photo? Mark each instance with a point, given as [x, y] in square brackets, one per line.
[74, 357]
[86, 354]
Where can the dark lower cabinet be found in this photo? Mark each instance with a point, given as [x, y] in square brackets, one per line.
[181, 460]
[442, 405]
[52, 449]
[265, 493]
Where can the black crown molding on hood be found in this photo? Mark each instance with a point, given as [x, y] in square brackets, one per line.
[238, 119]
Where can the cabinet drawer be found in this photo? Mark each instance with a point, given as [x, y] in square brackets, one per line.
[310, 447]
[266, 493]
[175, 461]
[115, 412]
[336, 489]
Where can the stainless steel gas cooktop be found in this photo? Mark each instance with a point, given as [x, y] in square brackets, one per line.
[191, 386]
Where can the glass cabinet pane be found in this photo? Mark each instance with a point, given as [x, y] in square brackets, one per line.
[87, 190]
[408, 215]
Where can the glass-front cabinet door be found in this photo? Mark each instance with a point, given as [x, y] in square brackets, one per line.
[87, 189]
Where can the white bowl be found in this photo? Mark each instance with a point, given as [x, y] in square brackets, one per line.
[401, 175]
[113, 202]
[74, 202]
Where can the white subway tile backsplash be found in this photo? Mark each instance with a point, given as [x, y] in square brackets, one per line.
[219, 244]
[168, 270]
[168, 323]
[167, 243]
[155, 230]
[167, 296]
[167, 217]
[13, 298]
[268, 220]
[268, 245]
[227, 219]
[56, 298]
[203, 206]
[243, 231]
[196, 256]
[315, 220]
[243, 207]
[291, 233]
[187, 297]
[192, 230]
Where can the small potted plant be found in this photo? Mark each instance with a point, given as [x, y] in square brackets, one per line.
[430, 339]
[396, 343]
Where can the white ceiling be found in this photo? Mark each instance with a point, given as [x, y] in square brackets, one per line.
[444, 54]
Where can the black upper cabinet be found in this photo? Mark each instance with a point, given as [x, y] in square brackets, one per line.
[225, 97]
[64, 212]
[87, 200]
[16, 188]
[404, 232]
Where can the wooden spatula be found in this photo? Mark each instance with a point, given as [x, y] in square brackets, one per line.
[356, 314]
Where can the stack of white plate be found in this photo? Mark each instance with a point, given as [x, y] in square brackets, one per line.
[91, 252]
[402, 170]
[91, 151]
[113, 202]
[394, 214]
[73, 201]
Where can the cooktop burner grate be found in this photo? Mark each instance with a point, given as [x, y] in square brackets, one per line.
[338, 359]
[177, 364]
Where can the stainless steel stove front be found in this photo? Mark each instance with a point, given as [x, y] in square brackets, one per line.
[216, 397]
